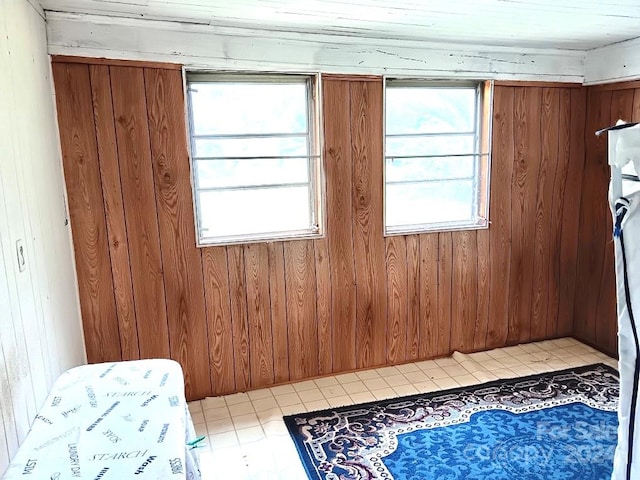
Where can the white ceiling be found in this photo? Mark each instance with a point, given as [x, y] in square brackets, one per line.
[569, 24]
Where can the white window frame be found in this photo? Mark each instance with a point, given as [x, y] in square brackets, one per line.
[482, 156]
[314, 158]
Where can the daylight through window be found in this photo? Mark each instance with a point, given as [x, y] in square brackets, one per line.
[255, 157]
[436, 156]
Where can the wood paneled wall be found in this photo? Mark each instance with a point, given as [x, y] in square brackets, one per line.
[595, 318]
[247, 316]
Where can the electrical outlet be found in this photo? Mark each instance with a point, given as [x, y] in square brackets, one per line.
[21, 255]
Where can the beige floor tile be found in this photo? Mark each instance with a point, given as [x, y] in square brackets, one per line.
[245, 421]
[397, 380]
[326, 382]
[435, 373]
[497, 353]
[342, 401]
[213, 402]
[236, 398]
[446, 383]
[282, 389]
[363, 397]
[249, 435]
[465, 380]
[408, 368]
[304, 386]
[275, 428]
[247, 439]
[260, 394]
[446, 362]
[263, 404]
[416, 377]
[388, 371]
[428, 386]
[347, 378]
[311, 395]
[269, 415]
[220, 426]
[222, 440]
[197, 417]
[485, 377]
[293, 409]
[384, 393]
[355, 387]
[216, 414]
[288, 399]
[455, 370]
[367, 374]
[376, 383]
[333, 391]
[314, 405]
[241, 409]
[405, 390]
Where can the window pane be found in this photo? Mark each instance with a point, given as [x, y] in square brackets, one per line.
[410, 169]
[233, 173]
[440, 145]
[241, 108]
[251, 147]
[430, 110]
[244, 212]
[423, 203]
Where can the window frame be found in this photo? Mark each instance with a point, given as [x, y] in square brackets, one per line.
[482, 158]
[315, 161]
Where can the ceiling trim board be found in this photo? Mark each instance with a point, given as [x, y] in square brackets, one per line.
[229, 48]
[619, 62]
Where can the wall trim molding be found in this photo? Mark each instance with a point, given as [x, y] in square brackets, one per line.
[619, 62]
[199, 46]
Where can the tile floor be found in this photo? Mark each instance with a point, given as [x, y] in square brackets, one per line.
[247, 439]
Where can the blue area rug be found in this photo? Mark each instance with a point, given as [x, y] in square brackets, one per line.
[554, 426]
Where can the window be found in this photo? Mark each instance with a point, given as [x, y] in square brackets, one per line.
[436, 156]
[255, 157]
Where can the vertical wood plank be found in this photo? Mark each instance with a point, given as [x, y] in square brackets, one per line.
[635, 113]
[558, 206]
[239, 316]
[366, 152]
[525, 173]
[429, 289]
[323, 302]
[445, 294]
[593, 217]
[570, 244]
[549, 118]
[302, 323]
[413, 297]
[86, 207]
[181, 260]
[464, 282]
[221, 347]
[114, 210]
[339, 175]
[500, 215]
[396, 260]
[482, 287]
[136, 174]
[256, 264]
[277, 293]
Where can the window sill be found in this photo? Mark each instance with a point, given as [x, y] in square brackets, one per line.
[436, 228]
[280, 237]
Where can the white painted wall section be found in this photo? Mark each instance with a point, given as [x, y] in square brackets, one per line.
[614, 63]
[40, 328]
[234, 48]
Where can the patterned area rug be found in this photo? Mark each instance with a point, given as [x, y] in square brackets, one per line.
[558, 425]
